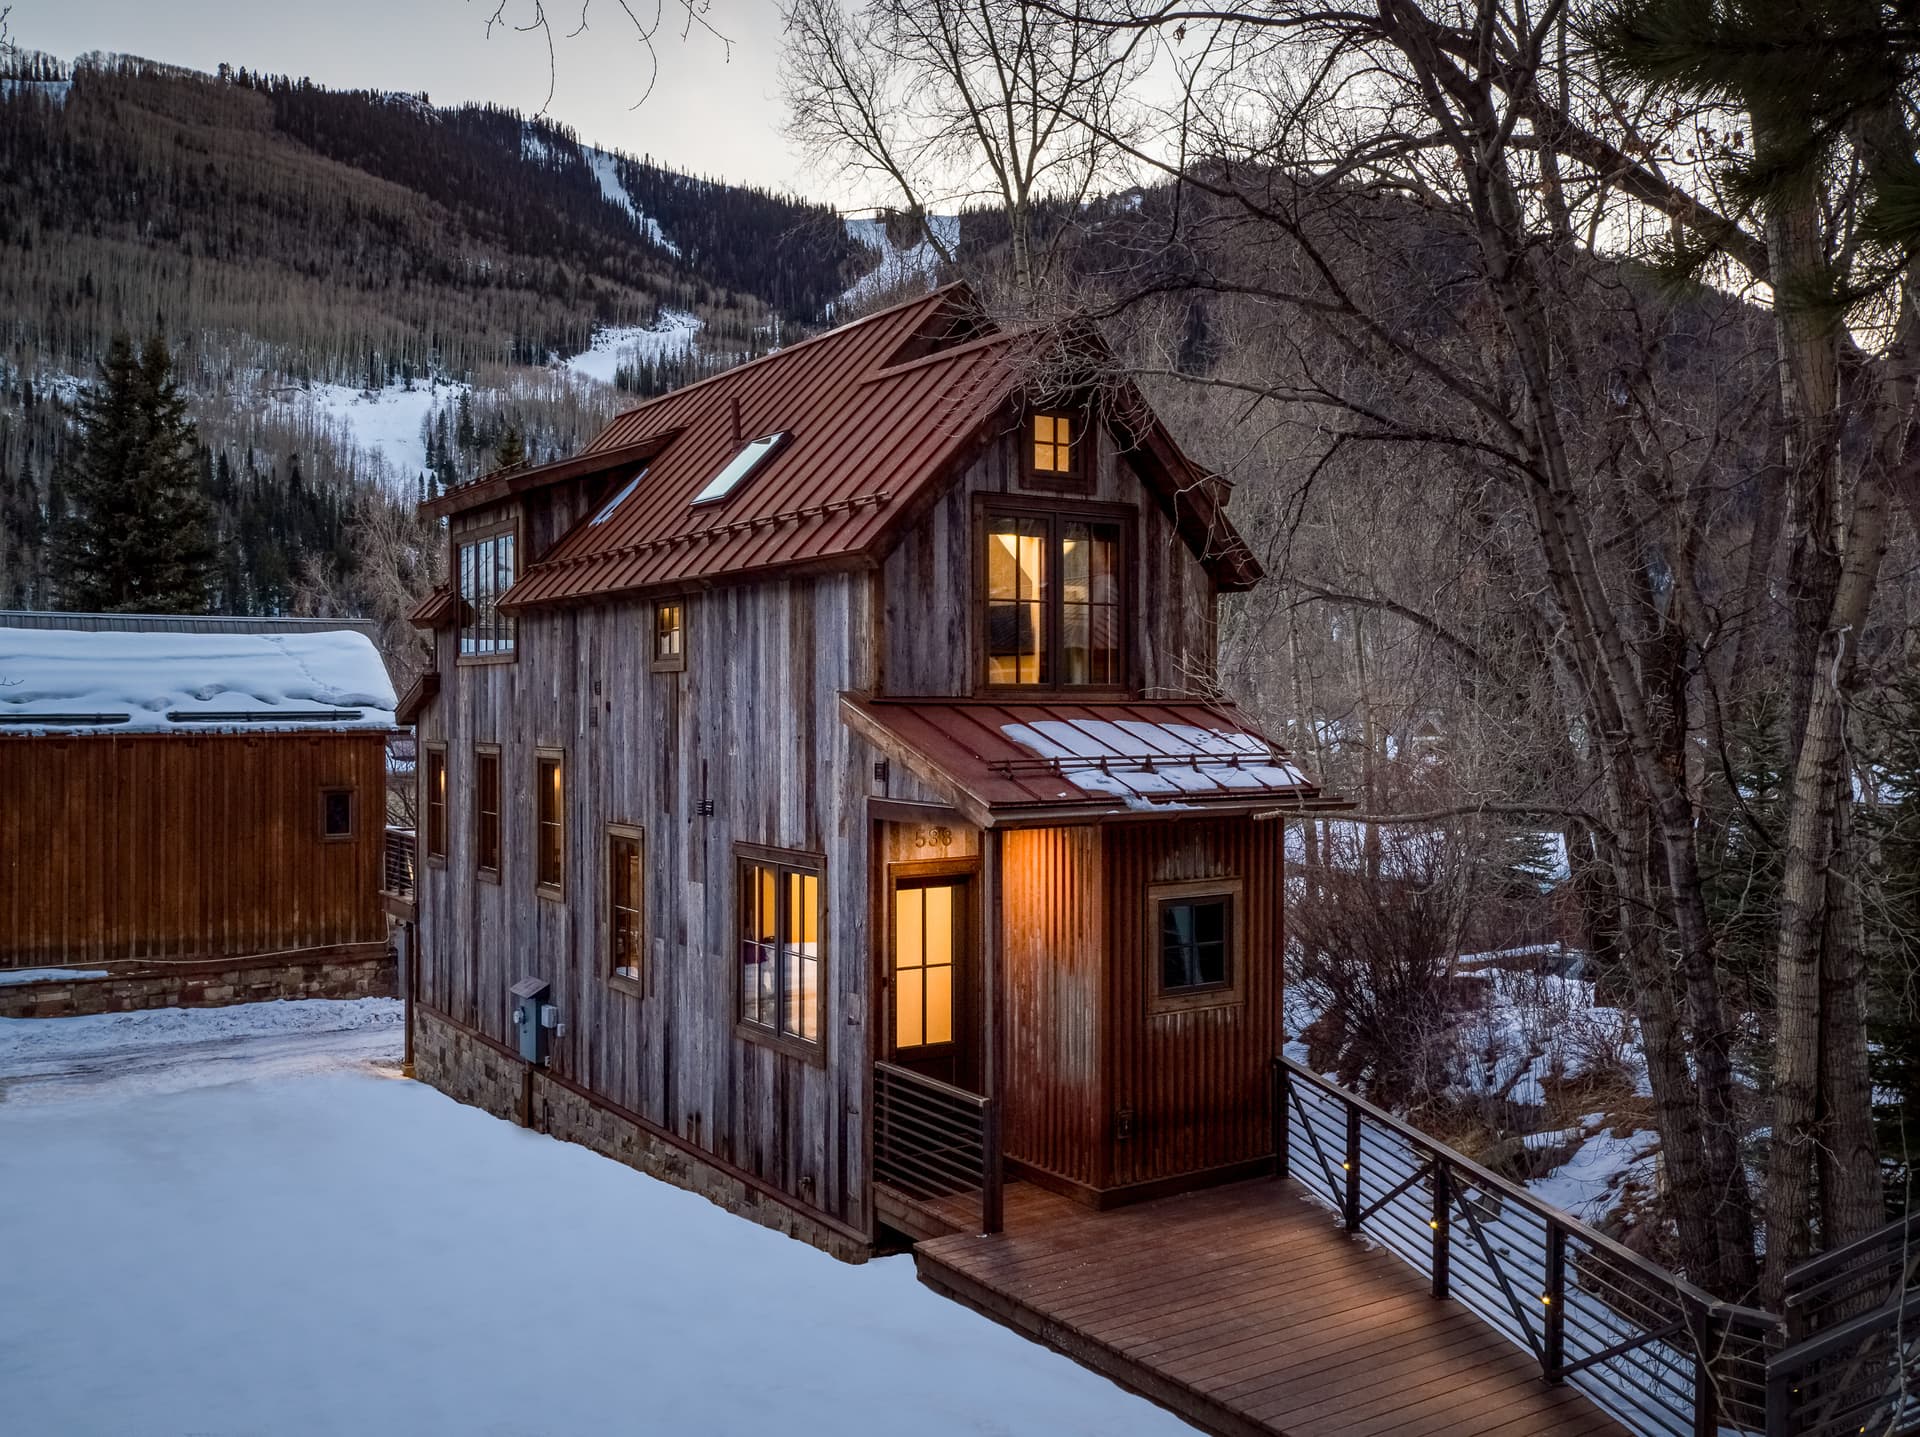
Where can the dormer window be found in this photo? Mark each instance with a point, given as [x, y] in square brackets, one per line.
[1053, 593]
[1057, 449]
[740, 468]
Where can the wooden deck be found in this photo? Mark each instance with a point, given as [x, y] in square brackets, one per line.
[1246, 1311]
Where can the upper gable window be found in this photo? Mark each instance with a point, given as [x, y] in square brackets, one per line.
[486, 572]
[739, 468]
[1054, 599]
[1057, 449]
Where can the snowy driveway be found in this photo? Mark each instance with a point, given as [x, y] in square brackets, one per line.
[259, 1232]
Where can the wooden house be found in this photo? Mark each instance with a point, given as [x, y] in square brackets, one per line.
[833, 747]
[195, 811]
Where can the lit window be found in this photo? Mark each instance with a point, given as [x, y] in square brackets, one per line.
[1195, 951]
[1053, 445]
[924, 915]
[623, 901]
[606, 510]
[1055, 614]
[739, 468]
[780, 949]
[486, 812]
[549, 821]
[436, 803]
[486, 572]
[669, 636]
[336, 813]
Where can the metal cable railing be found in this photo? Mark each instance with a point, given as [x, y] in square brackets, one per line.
[932, 1140]
[396, 874]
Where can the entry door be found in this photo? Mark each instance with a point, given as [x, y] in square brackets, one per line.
[930, 973]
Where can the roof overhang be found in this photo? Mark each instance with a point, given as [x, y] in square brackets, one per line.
[1053, 761]
[494, 488]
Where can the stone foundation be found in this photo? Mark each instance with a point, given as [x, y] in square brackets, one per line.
[477, 1073]
[366, 971]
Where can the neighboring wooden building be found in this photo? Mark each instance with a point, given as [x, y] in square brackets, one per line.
[194, 811]
[837, 739]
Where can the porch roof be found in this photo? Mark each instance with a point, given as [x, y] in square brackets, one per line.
[1000, 761]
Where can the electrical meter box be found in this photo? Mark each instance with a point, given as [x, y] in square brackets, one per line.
[529, 997]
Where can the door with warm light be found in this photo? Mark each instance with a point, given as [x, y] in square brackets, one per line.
[929, 972]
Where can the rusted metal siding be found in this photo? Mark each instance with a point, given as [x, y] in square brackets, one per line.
[1195, 1082]
[177, 846]
[1056, 989]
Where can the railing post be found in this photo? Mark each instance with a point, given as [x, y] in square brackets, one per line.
[1350, 1202]
[1780, 1396]
[1282, 1136]
[1706, 1406]
[993, 1173]
[1553, 1349]
[1441, 1223]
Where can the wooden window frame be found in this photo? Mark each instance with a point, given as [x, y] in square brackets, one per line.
[434, 753]
[480, 534]
[327, 790]
[554, 889]
[917, 873]
[1085, 451]
[623, 982]
[677, 663]
[480, 870]
[989, 506]
[1229, 994]
[782, 860]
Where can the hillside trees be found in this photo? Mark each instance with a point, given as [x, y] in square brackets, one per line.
[138, 534]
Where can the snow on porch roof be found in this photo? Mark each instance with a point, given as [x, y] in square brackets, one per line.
[1103, 758]
[73, 680]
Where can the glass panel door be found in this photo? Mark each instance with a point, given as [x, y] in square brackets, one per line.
[926, 945]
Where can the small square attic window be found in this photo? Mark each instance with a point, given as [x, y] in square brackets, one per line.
[739, 468]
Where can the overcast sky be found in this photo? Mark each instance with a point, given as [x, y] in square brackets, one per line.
[707, 114]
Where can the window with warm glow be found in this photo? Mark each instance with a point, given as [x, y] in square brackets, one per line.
[669, 635]
[1054, 445]
[486, 811]
[436, 803]
[924, 939]
[623, 901]
[550, 821]
[780, 951]
[485, 567]
[1054, 605]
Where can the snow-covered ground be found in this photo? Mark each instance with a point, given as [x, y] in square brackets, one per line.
[674, 334]
[606, 169]
[893, 265]
[387, 422]
[209, 1233]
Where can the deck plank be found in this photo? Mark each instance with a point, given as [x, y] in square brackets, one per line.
[1246, 1311]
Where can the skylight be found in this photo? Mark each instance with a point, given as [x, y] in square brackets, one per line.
[739, 468]
[606, 510]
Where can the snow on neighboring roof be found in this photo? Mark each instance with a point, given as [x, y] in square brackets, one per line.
[69, 680]
[1171, 760]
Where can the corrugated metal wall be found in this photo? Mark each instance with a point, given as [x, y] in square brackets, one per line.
[179, 846]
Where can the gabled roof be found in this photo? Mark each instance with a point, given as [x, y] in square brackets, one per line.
[118, 681]
[876, 416]
[1054, 760]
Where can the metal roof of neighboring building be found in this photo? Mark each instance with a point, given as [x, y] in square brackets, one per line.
[181, 623]
[1057, 758]
[875, 416]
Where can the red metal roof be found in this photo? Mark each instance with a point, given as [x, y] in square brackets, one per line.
[877, 414]
[1003, 760]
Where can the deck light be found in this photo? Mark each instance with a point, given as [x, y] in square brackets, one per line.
[1434, 1223]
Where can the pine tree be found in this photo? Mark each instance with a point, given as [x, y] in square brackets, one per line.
[139, 534]
[512, 452]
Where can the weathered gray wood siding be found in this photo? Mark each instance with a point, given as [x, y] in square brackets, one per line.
[753, 724]
[927, 643]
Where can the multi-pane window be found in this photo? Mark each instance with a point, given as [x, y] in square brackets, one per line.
[1054, 603]
[669, 635]
[623, 901]
[436, 804]
[486, 811]
[924, 915]
[336, 813]
[549, 820]
[1054, 445]
[780, 953]
[486, 572]
[1196, 953]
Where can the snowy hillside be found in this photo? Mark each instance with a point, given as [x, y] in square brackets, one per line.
[675, 334]
[894, 266]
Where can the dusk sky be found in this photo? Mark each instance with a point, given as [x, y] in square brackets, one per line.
[707, 114]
